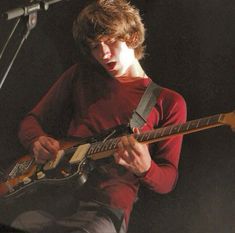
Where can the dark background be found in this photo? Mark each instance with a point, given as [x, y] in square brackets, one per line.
[191, 49]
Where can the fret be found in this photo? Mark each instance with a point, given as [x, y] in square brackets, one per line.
[157, 133]
[91, 149]
[171, 128]
[105, 145]
[175, 129]
[212, 120]
[141, 137]
[108, 144]
[208, 121]
[193, 124]
[215, 119]
[116, 141]
[96, 147]
[167, 131]
[102, 147]
[184, 127]
[188, 125]
[203, 122]
[221, 116]
[162, 132]
[147, 135]
[153, 134]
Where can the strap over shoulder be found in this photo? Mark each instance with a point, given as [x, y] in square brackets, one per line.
[147, 102]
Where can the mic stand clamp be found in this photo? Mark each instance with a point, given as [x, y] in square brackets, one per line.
[30, 24]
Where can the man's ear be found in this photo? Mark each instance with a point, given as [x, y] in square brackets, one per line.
[132, 41]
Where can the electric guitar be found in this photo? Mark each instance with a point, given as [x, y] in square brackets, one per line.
[73, 161]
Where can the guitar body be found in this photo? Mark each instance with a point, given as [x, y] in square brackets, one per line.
[70, 168]
[26, 176]
[10, 183]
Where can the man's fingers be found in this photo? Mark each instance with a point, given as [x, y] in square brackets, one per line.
[125, 149]
[39, 150]
[45, 148]
[136, 130]
[54, 143]
[49, 144]
[132, 141]
[121, 161]
[40, 157]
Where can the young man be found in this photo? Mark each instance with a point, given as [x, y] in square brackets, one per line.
[99, 93]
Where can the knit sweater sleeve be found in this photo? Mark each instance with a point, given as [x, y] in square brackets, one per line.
[49, 115]
[163, 172]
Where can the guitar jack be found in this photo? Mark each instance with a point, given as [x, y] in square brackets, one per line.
[82, 179]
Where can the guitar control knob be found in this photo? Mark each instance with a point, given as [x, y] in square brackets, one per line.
[26, 180]
[64, 173]
[40, 175]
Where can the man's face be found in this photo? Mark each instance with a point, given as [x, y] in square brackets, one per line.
[114, 55]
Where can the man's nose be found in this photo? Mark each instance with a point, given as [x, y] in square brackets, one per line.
[105, 50]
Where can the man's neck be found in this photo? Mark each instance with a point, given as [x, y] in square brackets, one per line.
[134, 71]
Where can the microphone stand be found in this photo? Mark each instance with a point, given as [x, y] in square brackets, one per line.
[9, 38]
[31, 23]
[30, 12]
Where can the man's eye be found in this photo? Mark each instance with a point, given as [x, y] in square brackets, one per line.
[93, 46]
[111, 41]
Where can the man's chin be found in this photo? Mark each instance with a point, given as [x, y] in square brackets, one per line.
[114, 73]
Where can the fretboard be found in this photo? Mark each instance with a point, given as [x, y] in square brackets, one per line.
[96, 150]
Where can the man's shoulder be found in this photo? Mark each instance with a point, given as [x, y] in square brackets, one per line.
[71, 70]
[69, 75]
[171, 96]
[172, 103]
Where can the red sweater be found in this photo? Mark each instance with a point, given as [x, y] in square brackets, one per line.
[89, 107]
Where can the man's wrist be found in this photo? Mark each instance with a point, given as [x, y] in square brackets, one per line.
[142, 174]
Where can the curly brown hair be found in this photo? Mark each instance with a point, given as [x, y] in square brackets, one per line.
[114, 18]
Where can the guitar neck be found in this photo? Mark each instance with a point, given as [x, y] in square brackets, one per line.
[185, 128]
[104, 149]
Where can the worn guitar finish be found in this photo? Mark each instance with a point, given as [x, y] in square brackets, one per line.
[73, 162]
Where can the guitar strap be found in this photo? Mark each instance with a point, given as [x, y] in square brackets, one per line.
[147, 102]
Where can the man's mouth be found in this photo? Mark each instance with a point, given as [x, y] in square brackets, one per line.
[110, 65]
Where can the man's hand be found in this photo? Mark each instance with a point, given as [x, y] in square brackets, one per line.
[45, 148]
[133, 155]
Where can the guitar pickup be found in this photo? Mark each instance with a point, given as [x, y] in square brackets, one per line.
[53, 163]
[79, 154]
